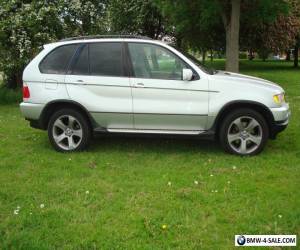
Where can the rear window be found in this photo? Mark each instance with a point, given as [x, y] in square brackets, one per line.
[57, 61]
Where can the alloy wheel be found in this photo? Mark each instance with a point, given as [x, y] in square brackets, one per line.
[244, 135]
[67, 132]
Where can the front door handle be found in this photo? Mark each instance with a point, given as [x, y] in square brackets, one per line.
[139, 85]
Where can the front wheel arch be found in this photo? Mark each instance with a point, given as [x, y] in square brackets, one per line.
[234, 105]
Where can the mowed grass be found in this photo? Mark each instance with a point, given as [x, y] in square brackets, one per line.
[120, 193]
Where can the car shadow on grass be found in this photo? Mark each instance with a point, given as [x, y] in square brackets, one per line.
[153, 143]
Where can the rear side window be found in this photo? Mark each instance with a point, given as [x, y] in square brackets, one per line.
[81, 64]
[106, 59]
[57, 61]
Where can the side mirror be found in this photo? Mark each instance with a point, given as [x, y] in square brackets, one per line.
[187, 74]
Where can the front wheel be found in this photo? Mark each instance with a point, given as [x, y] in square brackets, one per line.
[68, 130]
[244, 132]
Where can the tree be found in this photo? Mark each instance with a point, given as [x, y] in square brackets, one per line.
[83, 17]
[267, 35]
[295, 9]
[229, 11]
[194, 32]
[26, 25]
[24, 28]
[140, 17]
[296, 51]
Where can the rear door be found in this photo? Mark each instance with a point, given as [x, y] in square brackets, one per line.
[161, 99]
[97, 80]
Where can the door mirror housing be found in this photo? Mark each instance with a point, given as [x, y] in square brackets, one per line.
[187, 74]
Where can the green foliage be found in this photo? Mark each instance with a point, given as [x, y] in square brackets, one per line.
[136, 17]
[129, 198]
[273, 27]
[8, 96]
[83, 17]
[243, 55]
[191, 22]
[26, 25]
[199, 23]
[24, 28]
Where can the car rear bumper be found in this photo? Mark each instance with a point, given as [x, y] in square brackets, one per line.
[31, 111]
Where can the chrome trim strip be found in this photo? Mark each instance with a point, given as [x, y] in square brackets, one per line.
[121, 86]
[132, 113]
[156, 131]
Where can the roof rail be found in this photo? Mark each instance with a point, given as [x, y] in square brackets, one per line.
[104, 36]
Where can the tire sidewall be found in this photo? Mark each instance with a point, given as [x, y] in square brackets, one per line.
[239, 113]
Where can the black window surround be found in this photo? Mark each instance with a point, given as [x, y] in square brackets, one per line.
[127, 67]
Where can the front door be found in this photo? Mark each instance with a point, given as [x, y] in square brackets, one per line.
[161, 99]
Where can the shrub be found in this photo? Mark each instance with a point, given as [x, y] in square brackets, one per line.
[243, 55]
[8, 96]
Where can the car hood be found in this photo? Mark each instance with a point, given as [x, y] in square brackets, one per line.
[244, 79]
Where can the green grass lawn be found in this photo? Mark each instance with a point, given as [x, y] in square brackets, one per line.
[120, 193]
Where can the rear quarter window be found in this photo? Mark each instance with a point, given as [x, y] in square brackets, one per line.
[57, 61]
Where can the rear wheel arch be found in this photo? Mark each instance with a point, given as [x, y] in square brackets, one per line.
[54, 106]
[256, 106]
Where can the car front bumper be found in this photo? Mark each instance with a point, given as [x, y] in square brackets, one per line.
[281, 119]
[282, 113]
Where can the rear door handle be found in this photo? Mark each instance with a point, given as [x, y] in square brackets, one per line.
[79, 80]
[139, 85]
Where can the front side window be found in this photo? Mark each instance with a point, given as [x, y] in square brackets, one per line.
[152, 61]
[106, 59]
[57, 61]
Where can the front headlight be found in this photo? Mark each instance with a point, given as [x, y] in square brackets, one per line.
[278, 99]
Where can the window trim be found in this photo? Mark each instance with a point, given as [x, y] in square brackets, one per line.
[131, 70]
[68, 64]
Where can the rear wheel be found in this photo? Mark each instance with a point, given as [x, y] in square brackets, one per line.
[244, 132]
[68, 131]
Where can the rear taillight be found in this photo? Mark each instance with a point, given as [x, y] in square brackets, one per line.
[26, 93]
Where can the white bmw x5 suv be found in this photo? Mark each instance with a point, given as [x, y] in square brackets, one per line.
[79, 86]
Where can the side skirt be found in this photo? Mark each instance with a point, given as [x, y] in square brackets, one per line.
[205, 134]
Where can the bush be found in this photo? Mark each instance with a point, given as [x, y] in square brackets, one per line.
[243, 55]
[8, 96]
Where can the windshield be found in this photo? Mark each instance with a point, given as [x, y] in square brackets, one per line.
[204, 68]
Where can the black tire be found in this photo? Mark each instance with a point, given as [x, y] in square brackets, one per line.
[227, 122]
[81, 122]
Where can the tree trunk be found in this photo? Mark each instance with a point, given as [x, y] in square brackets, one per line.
[296, 52]
[203, 56]
[14, 80]
[232, 27]
[251, 55]
[288, 55]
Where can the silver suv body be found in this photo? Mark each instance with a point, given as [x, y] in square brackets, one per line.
[76, 87]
